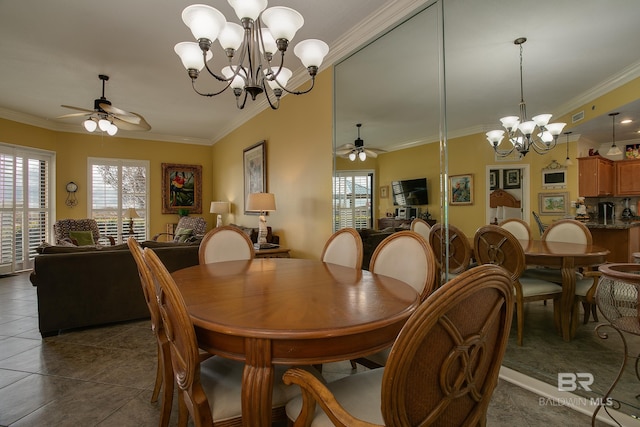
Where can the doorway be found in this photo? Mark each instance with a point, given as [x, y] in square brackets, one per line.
[515, 180]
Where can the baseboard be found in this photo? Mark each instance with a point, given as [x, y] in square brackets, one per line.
[571, 400]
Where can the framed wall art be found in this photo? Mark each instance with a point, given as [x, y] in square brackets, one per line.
[181, 188]
[511, 178]
[384, 192]
[461, 189]
[255, 171]
[553, 203]
[493, 179]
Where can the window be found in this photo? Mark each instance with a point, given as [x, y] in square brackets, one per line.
[352, 199]
[25, 209]
[116, 185]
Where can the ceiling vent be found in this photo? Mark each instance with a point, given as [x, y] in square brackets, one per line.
[577, 117]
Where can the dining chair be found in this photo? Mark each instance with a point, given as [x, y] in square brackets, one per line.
[210, 390]
[518, 228]
[541, 226]
[442, 369]
[344, 247]
[568, 230]
[164, 373]
[459, 257]
[495, 245]
[421, 227]
[405, 256]
[226, 243]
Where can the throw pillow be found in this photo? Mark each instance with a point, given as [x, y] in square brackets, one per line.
[182, 235]
[84, 238]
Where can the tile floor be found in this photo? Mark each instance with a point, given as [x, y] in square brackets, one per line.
[104, 376]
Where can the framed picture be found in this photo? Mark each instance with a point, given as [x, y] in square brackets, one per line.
[181, 188]
[511, 178]
[493, 179]
[553, 203]
[461, 189]
[255, 171]
[384, 192]
[632, 151]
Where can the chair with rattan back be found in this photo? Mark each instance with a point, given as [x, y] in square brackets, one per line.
[495, 245]
[459, 256]
[344, 247]
[226, 243]
[210, 390]
[461, 329]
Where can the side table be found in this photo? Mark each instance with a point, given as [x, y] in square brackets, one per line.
[273, 253]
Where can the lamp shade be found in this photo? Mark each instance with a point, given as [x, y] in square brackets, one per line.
[205, 22]
[131, 213]
[219, 207]
[311, 52]
[283, 22]
[261, 202]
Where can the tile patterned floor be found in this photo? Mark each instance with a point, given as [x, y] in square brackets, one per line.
[104, 376]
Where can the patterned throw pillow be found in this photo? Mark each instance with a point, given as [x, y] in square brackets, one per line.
[183, 235]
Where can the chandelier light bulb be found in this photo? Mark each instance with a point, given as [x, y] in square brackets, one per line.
[269, 42]
[311, 52]
[248, 8]
[90, 125]
[191, 55]
[238, 81]
[205, 22]
[283, 22]
[230, 37]
[282, 79]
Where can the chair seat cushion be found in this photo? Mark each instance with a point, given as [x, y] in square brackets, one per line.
[583, 286]
[359, 394]
[532, 286]
[222, 378]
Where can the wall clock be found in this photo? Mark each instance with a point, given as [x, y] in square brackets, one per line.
[72, 187]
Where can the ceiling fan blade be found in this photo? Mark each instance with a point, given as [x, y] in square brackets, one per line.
[371, 153]
[67, 116]
[77, 108]
[343, 151]
[121, 114]
[127, 125]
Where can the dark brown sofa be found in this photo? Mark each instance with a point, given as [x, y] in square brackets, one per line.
[79, 288]
[370, 241]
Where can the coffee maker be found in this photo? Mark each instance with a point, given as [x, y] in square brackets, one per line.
[606, 211]
[626, 212]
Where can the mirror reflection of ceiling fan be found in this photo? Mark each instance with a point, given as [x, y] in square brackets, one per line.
[106, 117]
[357, 150]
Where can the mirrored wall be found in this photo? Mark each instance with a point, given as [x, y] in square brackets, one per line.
[395, 88]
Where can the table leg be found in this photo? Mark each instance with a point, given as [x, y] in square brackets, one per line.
[568, 296]
[257, 383]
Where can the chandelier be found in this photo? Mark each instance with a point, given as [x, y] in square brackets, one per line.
[537, 134]
[264, 33]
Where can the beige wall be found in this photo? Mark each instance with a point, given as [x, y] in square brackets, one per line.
[73, 149]
[299, 168]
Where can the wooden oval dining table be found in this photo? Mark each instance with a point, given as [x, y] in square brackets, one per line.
[290, 311]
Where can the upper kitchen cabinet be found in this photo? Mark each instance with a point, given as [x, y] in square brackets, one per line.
[596, 176]
[627, 177]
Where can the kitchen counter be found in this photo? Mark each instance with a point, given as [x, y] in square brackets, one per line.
[622, 238]
[617, 224]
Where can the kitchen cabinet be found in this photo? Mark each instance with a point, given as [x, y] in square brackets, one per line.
[627, 177]
[596, 176]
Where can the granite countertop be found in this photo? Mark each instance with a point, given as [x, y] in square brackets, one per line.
[616, 224]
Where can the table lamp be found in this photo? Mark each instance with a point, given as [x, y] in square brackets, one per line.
[220, 208]
[261, 202]
[131, 213]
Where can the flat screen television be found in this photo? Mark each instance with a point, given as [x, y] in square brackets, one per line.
[410, 192]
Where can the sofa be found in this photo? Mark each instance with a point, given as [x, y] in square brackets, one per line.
[88, 286]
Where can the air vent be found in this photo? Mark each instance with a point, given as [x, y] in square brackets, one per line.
[577, 117]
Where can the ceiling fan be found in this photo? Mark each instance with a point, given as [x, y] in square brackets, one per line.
[106, 117]
[357, 149]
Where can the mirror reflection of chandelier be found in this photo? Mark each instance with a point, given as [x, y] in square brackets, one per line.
[264, 33]
[537, 134]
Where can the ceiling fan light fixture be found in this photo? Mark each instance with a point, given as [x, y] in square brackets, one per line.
[352, 156]
[362, 156]
[90, 125]
[104, 124]
[112, 129]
